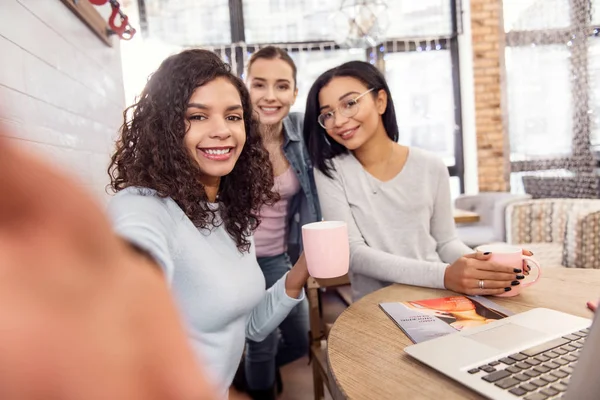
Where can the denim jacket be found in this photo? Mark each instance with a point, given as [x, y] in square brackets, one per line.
[304, 206]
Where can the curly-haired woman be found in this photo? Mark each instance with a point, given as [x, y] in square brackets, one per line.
[191, 175]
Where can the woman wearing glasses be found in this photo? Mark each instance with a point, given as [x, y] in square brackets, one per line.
[395, 199]
[272, 85]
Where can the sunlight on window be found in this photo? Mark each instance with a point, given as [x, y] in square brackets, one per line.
[311, 64]
[421, 85]
[528, 15]
[540, 111]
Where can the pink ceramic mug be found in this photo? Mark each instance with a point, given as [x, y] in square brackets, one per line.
[513, 257]
[326, 248]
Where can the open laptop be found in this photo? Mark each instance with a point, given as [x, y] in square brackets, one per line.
[531, 355]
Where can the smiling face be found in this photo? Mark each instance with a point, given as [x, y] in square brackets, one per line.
[272, 89]
[216, 133]
[354, 131]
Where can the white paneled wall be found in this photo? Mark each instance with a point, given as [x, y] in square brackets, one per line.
[61, 88]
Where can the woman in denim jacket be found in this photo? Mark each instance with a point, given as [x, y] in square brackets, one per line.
[272, 85]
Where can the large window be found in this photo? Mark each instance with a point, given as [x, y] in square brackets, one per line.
[425, 101]
[284, 21]
[552, 82]
[278, 21]
[539, 113]
[534, 15]
[418, 53]
[594, 67]
[311, 64]
[596, 12]
[419, 18]
[186, 22]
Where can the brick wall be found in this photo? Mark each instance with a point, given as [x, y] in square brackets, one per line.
[61, 88]
[488, 64]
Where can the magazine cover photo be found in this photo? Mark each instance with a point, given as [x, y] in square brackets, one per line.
[425, 319]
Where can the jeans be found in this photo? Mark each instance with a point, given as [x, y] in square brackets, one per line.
[284, 345]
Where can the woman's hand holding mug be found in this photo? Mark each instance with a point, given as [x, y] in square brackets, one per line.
[480, 274]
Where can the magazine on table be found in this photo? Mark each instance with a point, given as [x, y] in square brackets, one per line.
[422, 320]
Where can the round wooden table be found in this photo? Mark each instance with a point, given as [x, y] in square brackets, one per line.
[365, 348]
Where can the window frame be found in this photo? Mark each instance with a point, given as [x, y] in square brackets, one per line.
[578, 51]
[448, 42]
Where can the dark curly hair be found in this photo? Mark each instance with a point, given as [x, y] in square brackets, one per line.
[151, 153]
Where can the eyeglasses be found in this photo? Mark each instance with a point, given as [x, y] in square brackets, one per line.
[347, 108]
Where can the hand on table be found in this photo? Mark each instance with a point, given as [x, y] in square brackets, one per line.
[82, 316]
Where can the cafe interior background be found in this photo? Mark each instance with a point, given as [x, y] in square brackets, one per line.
[507, 92]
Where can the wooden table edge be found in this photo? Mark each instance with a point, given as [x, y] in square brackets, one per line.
[338, 392]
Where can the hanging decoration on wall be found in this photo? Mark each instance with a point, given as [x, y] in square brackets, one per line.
[122, 28]
[360, 23]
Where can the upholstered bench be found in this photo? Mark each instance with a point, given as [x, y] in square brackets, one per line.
[560, 232]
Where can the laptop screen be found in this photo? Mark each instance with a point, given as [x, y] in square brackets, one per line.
[585, 384]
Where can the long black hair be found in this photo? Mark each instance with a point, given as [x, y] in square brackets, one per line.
[320, 148]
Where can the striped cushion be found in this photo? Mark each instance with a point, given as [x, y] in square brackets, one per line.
[582, 239]
[572, 222]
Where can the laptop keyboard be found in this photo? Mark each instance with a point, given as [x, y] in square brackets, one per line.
[538, 373]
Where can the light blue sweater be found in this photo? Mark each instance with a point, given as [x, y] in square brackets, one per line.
[220, 292]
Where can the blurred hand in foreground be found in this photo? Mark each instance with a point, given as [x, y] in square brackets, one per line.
[82, 316]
